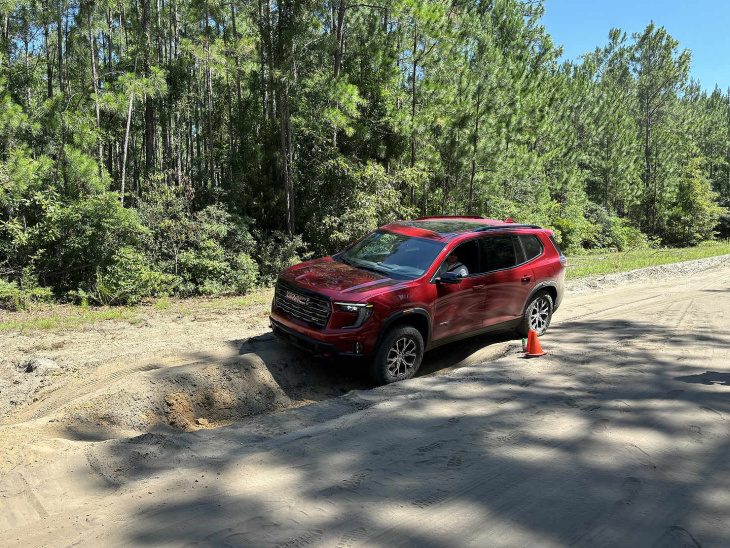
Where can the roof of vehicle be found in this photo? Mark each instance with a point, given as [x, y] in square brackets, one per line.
[446, 228]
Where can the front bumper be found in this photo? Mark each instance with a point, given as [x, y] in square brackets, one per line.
[328, 341]
[318, 348]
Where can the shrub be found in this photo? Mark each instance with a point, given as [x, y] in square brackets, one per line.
[23, 295]
[78, 239]
[359, 199]
[277, 252]
[695, 214]
[129, 279]
[209, 252]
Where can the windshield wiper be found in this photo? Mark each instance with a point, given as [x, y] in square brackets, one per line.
[370, 268]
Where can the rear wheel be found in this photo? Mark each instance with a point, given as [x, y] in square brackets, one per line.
[537, 315]
[398, 356]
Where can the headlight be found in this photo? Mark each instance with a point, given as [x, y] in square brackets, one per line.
[362, 310]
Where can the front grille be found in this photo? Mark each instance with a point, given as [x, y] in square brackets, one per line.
[301, 304]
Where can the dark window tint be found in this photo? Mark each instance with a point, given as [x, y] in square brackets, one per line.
[498, 252]
[532, 246]
[557, 247]
[519, 254]
[468, 255]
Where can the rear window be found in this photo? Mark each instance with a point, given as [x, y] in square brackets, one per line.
[557, 247]
[498, 252]
[532, 246]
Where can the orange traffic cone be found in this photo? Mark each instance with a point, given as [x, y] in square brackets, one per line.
[533, 346]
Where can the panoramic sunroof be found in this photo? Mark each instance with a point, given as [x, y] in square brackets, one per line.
[444, 227]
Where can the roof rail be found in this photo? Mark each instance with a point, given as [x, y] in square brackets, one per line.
[449, 217]
[503, 227]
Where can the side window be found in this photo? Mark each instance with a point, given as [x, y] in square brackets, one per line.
[498, 252]
[468, 255]
[531, 245]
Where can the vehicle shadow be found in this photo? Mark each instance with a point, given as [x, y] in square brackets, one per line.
[296, 371]
[708, 377]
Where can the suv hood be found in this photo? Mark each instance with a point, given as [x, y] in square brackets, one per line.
[336, 280]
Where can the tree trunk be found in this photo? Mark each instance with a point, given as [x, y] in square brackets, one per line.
[413, 99]
[49, 64]
[474, 155]
[59, 28]
[286, 156]
[285, 52]
[6, 38]
[209, 90]
[340, 39]
[126, 144]
[96, 97]
[149, 112]
[235, 45]
[340, 36]
[126, 134]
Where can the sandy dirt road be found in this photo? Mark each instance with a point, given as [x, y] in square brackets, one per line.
[619, 437]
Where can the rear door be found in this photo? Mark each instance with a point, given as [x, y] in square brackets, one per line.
[509, 280]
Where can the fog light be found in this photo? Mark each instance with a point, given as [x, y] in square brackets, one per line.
[358, 348]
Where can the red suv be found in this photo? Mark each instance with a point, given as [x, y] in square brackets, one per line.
[413, 285]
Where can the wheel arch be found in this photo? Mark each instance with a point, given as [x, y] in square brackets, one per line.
[418, 318]
[550, 287]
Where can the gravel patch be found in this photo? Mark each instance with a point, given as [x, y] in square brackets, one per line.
[650, 274]
[21, 381]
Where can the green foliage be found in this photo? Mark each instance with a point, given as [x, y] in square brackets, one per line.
[275, 251]
[207, 252]
[250, 136]
[695, 213]
[363, 198]
[77, 239]
[23, 295]
[129, 279]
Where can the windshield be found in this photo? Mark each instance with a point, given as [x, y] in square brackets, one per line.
[393, 255]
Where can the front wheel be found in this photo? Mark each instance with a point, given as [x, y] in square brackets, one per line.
[537, 314]
[398, 356]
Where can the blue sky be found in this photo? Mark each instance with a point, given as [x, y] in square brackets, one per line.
[702, 26]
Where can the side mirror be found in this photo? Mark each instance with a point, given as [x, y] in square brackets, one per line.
[450, 278]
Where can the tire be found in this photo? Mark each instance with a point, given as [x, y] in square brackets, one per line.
[537, 314]
[398, 356]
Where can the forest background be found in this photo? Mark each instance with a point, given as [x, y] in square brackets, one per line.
[157, 147]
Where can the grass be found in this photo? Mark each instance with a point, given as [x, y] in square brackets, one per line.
[78, 316]
[590, 264]
[56, 317]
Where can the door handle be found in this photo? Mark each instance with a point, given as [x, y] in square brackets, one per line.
[480, 286]
[526, 278]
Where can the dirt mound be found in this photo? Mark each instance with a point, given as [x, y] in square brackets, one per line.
[209, 393]
[179, 411]
[206, 409]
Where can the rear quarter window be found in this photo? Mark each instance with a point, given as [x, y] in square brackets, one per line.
[531, 245]
[557, 247]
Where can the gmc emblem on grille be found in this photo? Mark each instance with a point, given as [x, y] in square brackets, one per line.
[296, 298]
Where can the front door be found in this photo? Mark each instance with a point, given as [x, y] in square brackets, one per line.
[459, 308]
